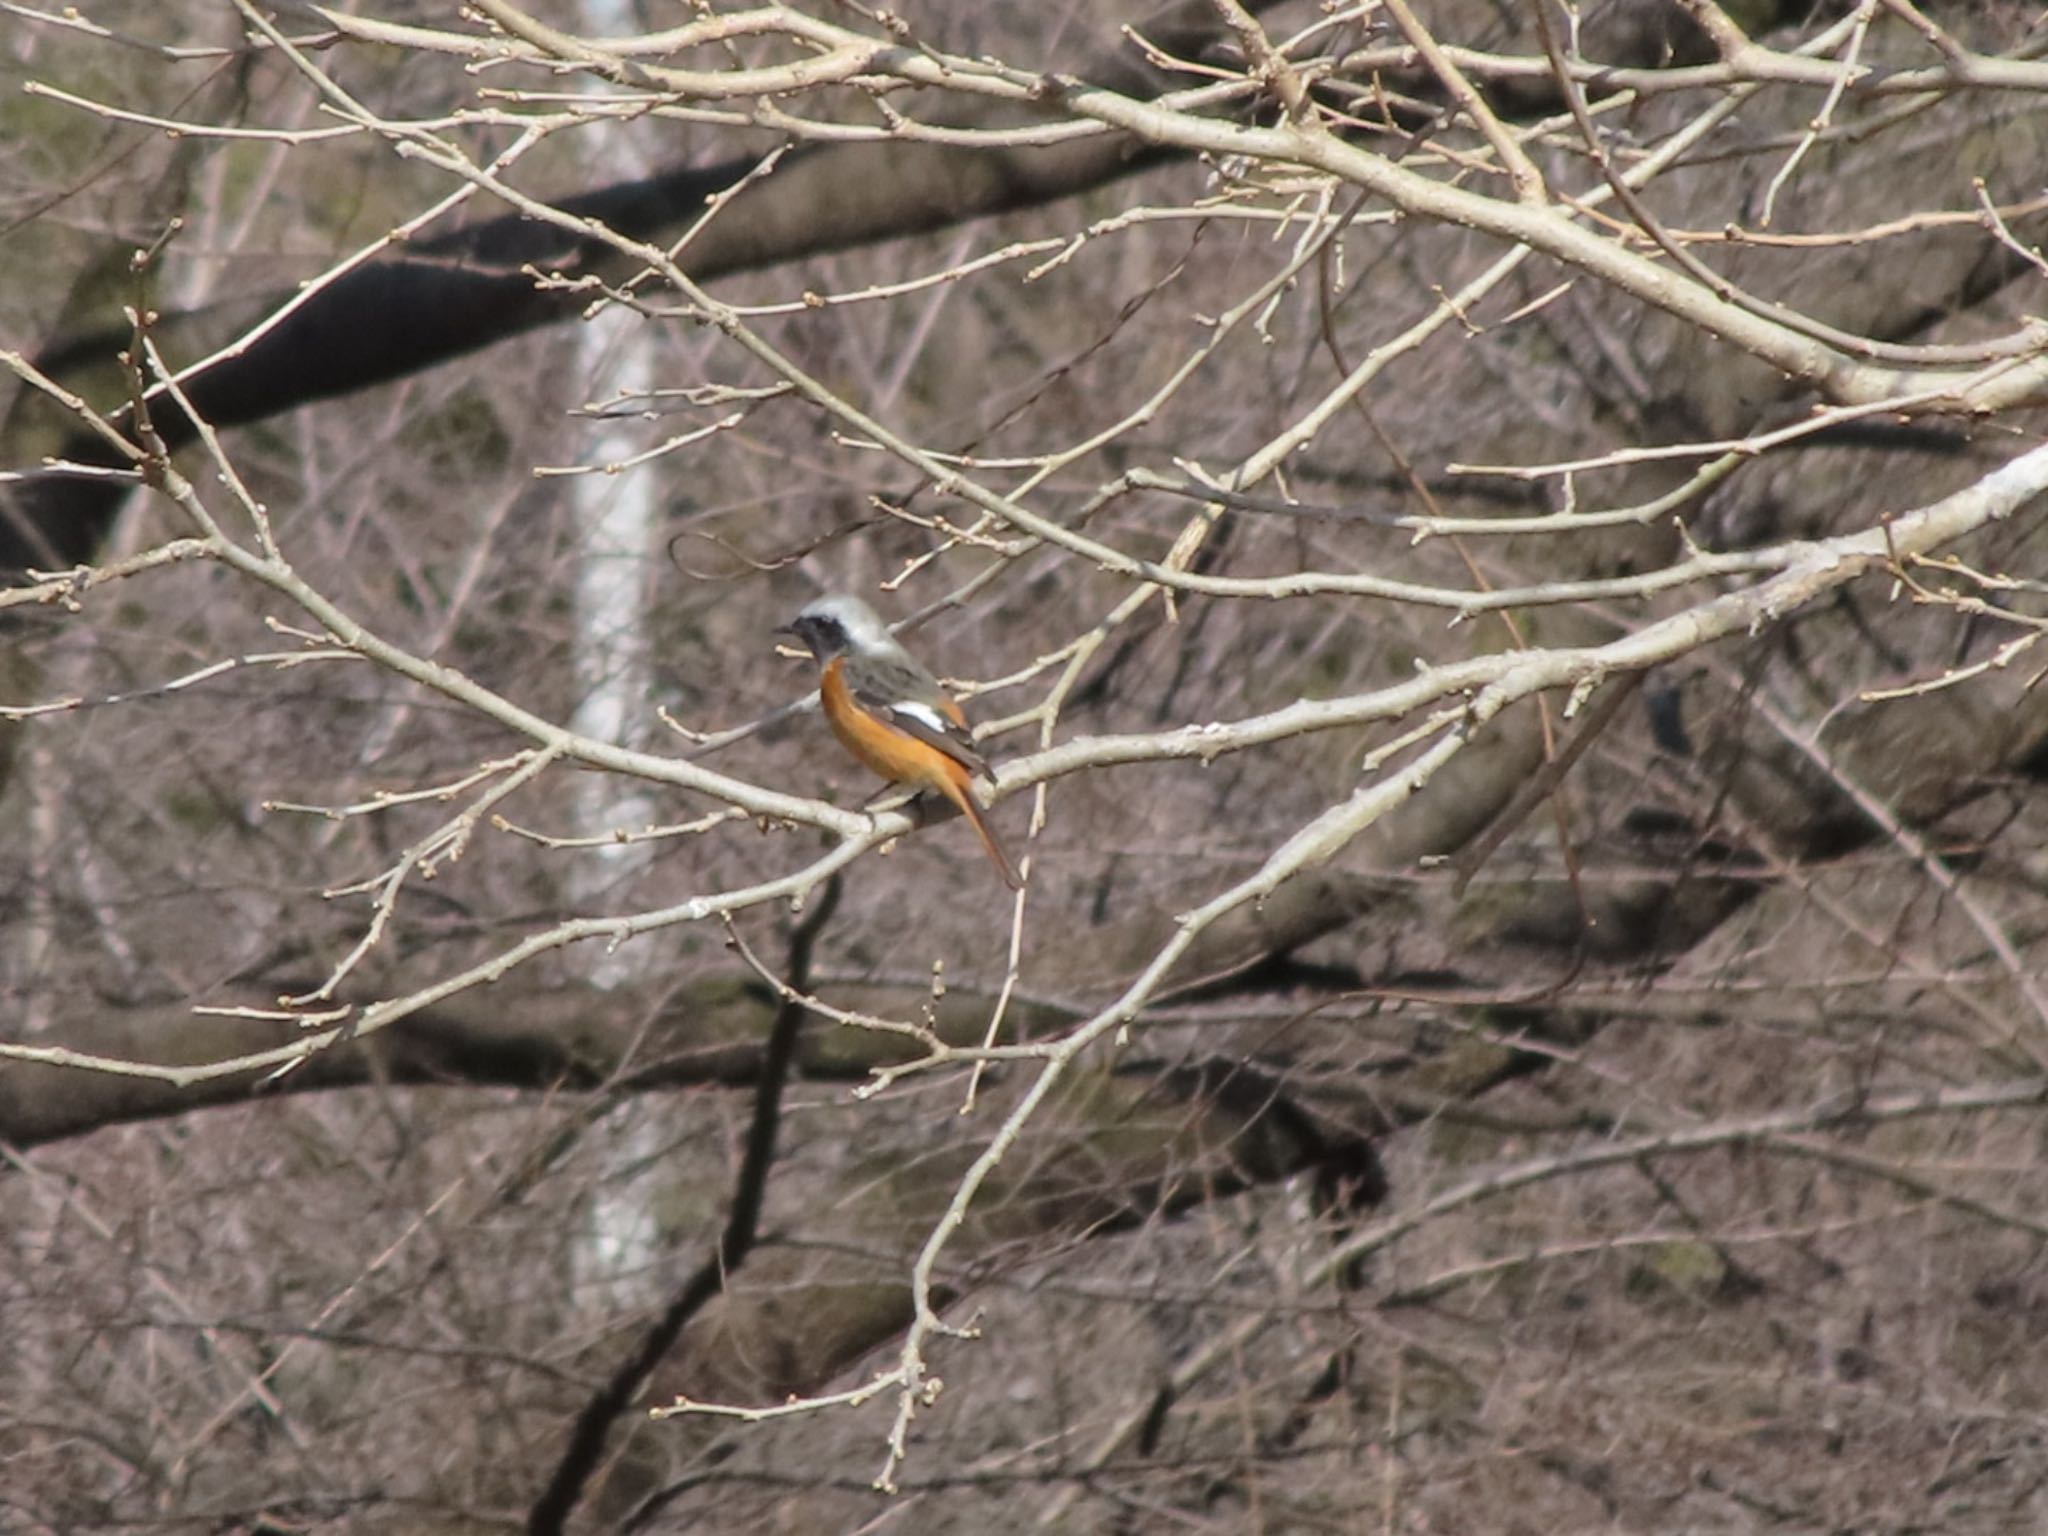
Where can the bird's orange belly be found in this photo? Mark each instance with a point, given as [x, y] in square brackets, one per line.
[895, 756]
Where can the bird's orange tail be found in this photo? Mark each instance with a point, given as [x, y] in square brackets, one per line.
[962, 795]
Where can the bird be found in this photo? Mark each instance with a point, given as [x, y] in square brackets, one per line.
[891, 713]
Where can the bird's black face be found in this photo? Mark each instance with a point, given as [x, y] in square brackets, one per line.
[821, 632]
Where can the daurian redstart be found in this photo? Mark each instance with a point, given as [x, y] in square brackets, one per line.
[889, 712]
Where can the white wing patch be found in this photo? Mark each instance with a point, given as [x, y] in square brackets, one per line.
[925, 714]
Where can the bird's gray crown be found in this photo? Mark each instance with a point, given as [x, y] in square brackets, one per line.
[839, 623]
